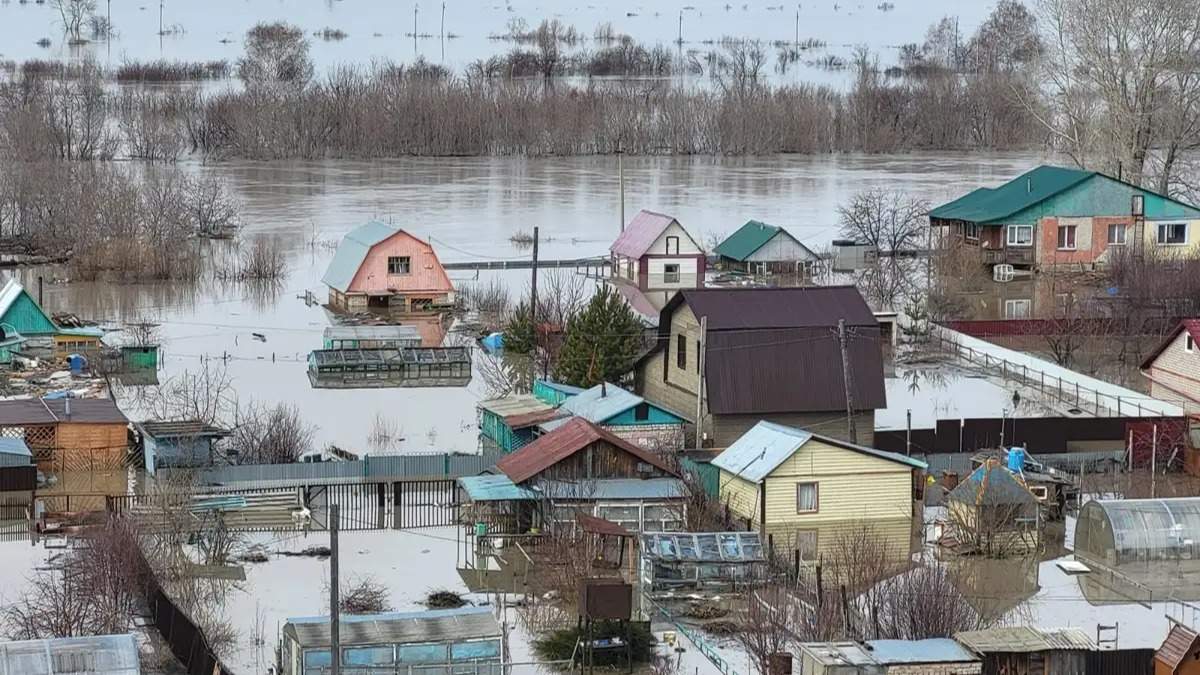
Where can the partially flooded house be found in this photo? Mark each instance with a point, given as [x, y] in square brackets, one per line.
[801, 490]
[992, 512]
[1056, 216]
[764, 250]
[381, 267]
[653, 258]
[769, 354]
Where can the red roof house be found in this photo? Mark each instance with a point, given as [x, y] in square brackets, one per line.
[378, 266]
[1173, 367]
[579, 449]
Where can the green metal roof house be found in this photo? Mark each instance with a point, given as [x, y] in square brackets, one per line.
[1060, 216]
[20, 313]
[759, 248]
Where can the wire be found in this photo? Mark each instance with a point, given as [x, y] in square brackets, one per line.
[477, 255]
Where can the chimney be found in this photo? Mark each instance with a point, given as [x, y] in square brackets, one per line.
[603, 389]
[67, 404]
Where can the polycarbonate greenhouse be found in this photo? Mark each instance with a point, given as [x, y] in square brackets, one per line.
[1124, 532]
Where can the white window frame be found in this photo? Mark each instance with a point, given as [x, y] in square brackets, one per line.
[1189, 344]
[1067, 237]
[1011, 311]
[1160, 230]
[1123, 228]
[402, 262]
[816, 488]
[971, 231]
[1011, 242]
[669, 276]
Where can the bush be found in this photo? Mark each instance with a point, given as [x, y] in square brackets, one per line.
[559, 645]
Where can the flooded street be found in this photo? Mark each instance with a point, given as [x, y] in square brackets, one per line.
[204, 31]
[468, 208]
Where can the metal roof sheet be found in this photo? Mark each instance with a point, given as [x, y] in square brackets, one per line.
[550, 449]
[596, 525]
[353, 250]
[750, 237]
[14, 446]
[1024, 639]
[992, 485]
[641, 233]
[838, 653]
[52, 411]
[435, 625]
[766, 445]
[601, 402]
[933, 650]
[98, 655]
[992, 204]
[494, 489]
[181, 429]
[614, 488]
[375, 332]
[1176, 646]
[515, 404]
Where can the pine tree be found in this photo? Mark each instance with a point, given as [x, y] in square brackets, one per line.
[602, 341]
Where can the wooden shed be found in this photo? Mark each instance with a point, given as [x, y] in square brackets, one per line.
[1023, 650]
[1179, 653]
[88, 434]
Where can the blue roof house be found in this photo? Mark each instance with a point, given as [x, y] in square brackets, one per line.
[625, 414]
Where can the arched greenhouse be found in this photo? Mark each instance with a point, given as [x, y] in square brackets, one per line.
[1138, 532]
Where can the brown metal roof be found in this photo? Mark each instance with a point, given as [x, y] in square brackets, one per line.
[42, 411]
[573, 436]
[1180, 641]
[775, 350]
[594, 525]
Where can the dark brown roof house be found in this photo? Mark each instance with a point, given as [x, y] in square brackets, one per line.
[769, 354]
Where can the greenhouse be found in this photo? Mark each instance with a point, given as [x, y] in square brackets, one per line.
[1131, 532]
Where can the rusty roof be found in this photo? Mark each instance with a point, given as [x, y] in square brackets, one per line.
[1180, 641]
[568, 439]
[54, 411]
[794, 330]
[1192, 326]
[595, 525]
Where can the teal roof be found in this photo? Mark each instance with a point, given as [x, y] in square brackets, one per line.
[83, 331]
[21, 313]
[992, 204]
[747, 239]
[496, 488]
[353, 250]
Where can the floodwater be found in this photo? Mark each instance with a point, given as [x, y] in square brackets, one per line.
[213, 29]
[468, 208]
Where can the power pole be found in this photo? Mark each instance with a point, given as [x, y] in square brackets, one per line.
[335, 619]
[850, 428]
[700, 382]
[797, 43]
[621, 181]
[908, 432]
[533, 302]
[1153, 462]
[443, 21]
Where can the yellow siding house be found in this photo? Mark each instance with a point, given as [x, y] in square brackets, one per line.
[800, 489]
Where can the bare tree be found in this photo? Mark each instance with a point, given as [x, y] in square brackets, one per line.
[205, 395]
[922, 603]
[73, 14]
[271, 435]
[887, 219]
[363, 595]
[739, 70]
[276, 58]
[769, 626]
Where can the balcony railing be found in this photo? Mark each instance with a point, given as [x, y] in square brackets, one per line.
[1012, 256]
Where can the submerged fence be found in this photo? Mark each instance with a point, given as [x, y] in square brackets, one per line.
[387, 468]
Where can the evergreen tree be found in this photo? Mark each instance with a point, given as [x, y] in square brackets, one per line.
[518, 333]
[602, 341]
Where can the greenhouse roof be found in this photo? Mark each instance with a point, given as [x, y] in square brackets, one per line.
[1112, 529]
[703, 547]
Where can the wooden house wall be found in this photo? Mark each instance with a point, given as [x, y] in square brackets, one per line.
[598, 460]
[88, 447]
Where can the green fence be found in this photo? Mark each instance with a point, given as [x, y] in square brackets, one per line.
[710, 476]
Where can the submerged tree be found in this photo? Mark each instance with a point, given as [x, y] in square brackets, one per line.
[276, 54]
[602, 341]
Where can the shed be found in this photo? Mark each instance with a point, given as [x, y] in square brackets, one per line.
[1179, 653]
[86, 434]
[98, 655]
[78, 340]
[801, 489]
[554, 393]
[890, 657]
[179, 444]
[625, 414]
[509, 422]
[14, 452]
[379, 266]
[470, 636]
[371, 337]
[10, 342]
[993, 512]
[20, 313]
[759, 248]
[1021, 650]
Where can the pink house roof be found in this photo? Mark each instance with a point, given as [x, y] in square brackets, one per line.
[360, 263]
[1192, 326]
[641, 233]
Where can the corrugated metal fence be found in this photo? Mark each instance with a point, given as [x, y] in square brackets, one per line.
[368, 470]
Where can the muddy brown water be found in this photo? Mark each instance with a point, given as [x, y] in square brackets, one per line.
[469, 208]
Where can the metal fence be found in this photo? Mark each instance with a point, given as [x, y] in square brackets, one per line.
[369, 469]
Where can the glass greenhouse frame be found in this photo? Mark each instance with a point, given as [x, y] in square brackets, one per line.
[1124, 532]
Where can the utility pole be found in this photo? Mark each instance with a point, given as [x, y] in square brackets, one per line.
[621, 181]
[908, 432]
[443, 21]
[680, 28]
[850, 428]
[700, 382]
[533, 303]
[1154, 462]
[335, 619]
[797, 43]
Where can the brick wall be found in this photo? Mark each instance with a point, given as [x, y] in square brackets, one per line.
[937, 669]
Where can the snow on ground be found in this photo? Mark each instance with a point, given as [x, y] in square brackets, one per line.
[20, 560]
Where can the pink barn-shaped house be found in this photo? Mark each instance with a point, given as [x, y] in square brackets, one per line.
[378, 266]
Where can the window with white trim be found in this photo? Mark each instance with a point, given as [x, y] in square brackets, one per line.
[1117, 233]
[1066, 237]
[1189, 344]
[1019, 235]
[1018, 309]
[671, 274]
[399, 264]
[971, 231]
[1172, 234]
[807, 498]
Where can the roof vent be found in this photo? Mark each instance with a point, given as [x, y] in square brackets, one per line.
[1029, 184]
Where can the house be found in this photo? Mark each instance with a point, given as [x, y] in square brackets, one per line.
[1053, 216]
[1179, 653]
[1023, 649]
[94, 655]
[800, 489]
[934, 656]
[1173, 367]
[86, 434]
[554, 393]
[993, 512]
[467, 639]
[769, 353]
[761, 249]
[14, 452]
[1052, 490]
[80, 340]
[10, 343]
[625, 414]
[378, 266]
[21, 314]
[179, 444]
[510, 422]
[372, 337]
[577, 467]
[653, 258]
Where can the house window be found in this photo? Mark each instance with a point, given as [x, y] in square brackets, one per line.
[1066, 237]
[641, 412]
[1018, 309]
[1189, 344]
[1038, 491]
[1116, 234]
[681, 352]
[1020, 235]
[672, 245]
[807, 500]
[1172, 234]
[629, 269]
[670, 274]
[971, 231]
[399, 264]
